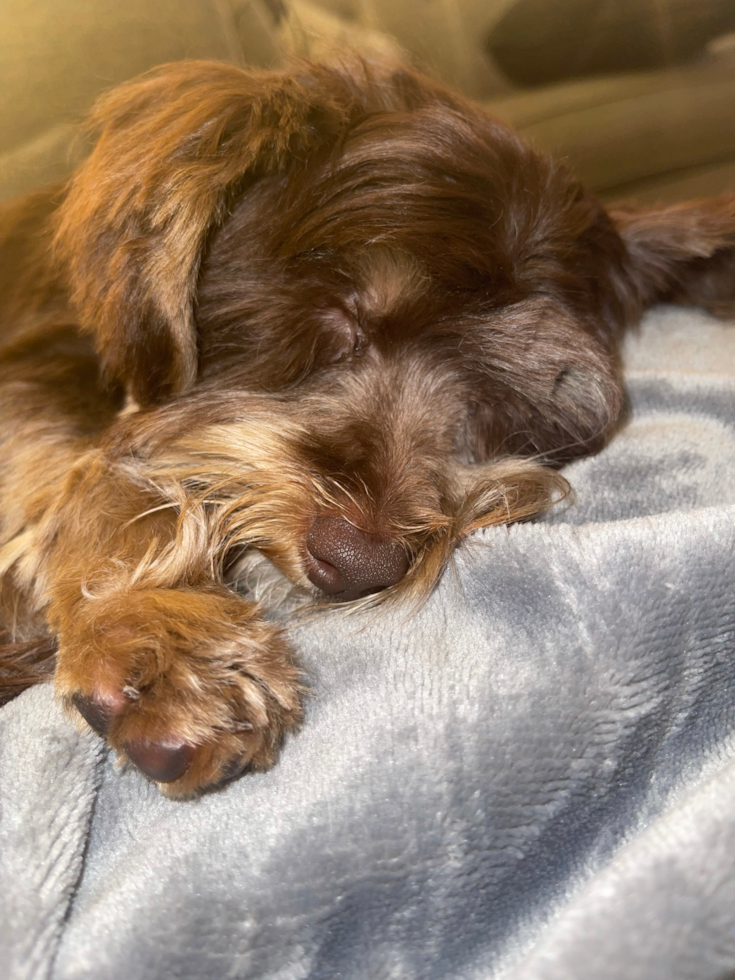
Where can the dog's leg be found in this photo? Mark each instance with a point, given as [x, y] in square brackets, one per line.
[27, 650]
[180, 674]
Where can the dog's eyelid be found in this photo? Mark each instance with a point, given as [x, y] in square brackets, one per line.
[360, 341]
[338, 318]
[348, 336]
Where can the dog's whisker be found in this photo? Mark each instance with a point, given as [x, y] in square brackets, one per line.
[147, 513]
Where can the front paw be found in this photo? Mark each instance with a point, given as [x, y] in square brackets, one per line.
[190, 685]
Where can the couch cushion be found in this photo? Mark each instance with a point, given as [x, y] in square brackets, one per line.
[538, 42]
[624, 130]
[55, 58]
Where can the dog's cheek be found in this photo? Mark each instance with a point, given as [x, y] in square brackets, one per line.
[555, 405]
[594, 397]
[573, 383]
[585, 403]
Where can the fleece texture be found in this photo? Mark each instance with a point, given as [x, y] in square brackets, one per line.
[530, 778]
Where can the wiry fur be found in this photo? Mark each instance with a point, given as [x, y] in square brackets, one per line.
[334, 304]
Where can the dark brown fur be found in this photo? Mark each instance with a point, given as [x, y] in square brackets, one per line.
[323, 312]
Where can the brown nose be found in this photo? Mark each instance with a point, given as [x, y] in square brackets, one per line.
[347, 563]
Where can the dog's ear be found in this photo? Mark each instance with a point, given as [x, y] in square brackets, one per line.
[682, 253]
[171, 147]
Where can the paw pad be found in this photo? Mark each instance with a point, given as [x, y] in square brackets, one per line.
[161, 761]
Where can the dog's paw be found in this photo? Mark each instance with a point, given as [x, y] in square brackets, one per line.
[189, 685]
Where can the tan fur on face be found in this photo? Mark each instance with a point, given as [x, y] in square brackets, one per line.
[274, 302]
[390, 280]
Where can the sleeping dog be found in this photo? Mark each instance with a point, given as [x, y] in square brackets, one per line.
[313, 326]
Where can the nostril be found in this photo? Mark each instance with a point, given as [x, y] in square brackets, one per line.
[347, 563]
[328, 575]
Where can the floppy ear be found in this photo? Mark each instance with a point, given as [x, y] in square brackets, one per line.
[130, 232]
[682, 253]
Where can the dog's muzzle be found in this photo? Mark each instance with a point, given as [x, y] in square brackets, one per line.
[346, 563]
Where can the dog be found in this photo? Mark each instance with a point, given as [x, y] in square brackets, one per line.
[329, 321]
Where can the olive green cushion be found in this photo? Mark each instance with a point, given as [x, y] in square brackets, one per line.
[56, 56]
[662, 135]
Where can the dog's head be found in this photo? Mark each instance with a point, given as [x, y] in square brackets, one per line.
[386, 311]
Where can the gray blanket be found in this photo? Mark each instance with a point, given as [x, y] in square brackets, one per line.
[532, 777]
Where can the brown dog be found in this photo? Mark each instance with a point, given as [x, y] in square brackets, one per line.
[336, 317]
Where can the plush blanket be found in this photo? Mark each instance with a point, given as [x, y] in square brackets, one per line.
[531, 777]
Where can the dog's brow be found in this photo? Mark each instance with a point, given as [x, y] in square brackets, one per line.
[389, 278]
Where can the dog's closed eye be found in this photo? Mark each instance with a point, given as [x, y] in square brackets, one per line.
[344, 337]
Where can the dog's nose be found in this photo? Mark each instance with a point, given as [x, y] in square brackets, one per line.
[347, 563]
